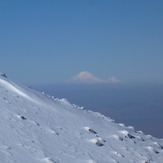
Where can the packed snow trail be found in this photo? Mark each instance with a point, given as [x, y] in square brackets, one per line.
[38, 128]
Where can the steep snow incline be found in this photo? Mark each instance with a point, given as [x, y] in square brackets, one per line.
[11, 87]
[37, 128]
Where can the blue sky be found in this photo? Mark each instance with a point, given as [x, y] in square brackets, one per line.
[51, 41]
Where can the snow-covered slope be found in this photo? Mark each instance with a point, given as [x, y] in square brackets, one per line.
[37, 128]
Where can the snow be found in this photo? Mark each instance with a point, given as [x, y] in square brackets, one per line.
[9, 86]
[88, 78]
[38, 128]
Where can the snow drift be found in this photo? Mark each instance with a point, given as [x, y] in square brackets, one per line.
[38, 128]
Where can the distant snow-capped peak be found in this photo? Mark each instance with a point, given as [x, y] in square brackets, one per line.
[113, 80]
[87, 77]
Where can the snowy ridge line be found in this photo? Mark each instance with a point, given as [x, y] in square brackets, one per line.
[63, 101]
[13, 88]
[96, 114]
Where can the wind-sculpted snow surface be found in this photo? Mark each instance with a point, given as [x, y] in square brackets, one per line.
[11, 87]
[37, 128]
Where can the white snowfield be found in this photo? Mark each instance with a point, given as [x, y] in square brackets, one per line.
[37, 128]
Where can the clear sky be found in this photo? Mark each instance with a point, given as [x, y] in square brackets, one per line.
[46, 41]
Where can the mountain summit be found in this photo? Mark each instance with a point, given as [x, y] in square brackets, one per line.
[38, 128]
[88, 78]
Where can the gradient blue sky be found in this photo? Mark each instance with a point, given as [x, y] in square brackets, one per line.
[46, 41]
